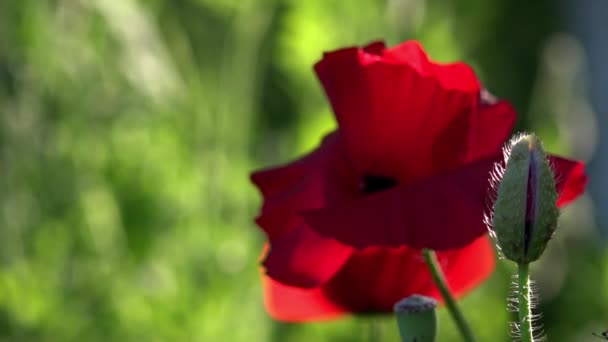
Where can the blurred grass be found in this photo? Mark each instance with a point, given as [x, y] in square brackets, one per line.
[128, 128]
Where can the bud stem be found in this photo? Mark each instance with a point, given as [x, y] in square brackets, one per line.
[523, 292]
[431, 260]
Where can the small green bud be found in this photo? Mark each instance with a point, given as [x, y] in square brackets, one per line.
[416, 318]
[525, 211]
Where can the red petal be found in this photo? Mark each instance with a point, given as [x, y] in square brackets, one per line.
[451, 76]
[392, 109]
[303, 258]
[293, 304]
[376, 278]
[296, 186]
[298, 256]
[570, 177]
[490, 128]
[376, 48]
[440, 212]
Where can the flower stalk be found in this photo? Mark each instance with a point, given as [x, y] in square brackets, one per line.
[463, 327]
[523, 293]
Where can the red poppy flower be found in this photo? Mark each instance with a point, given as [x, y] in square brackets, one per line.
[406, 169]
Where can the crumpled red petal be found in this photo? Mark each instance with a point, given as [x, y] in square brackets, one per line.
[440, 212]
[294, 304]
[450, 207]
[297, 255]
[570, 179]
[303, 258]
[398, 103]
[452, 76]
[490, 127]
[296, 186]
[375, 48]
[376, 278]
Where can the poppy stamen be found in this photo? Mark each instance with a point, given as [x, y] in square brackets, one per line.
[371, 184]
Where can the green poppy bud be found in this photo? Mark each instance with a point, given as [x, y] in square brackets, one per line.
[525, 211]
[416, 318]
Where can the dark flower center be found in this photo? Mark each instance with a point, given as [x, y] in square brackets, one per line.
[371, 183]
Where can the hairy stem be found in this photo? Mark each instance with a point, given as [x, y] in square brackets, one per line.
[523, 293]
[431, 260]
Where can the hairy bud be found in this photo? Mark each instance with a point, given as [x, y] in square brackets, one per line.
[525, 211]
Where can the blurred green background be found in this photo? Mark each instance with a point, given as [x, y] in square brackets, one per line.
[128, 129]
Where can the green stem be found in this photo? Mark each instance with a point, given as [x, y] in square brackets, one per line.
[523, 292]
[431, 260]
